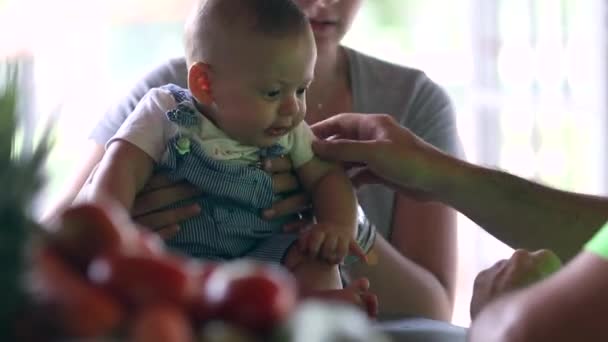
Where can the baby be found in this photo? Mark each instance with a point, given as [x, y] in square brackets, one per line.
[249, 66]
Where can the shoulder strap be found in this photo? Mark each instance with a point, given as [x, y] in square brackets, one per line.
[184, 114]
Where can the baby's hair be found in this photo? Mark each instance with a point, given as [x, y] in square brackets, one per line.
[269, 17]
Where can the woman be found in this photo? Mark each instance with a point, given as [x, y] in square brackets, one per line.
[416, 247]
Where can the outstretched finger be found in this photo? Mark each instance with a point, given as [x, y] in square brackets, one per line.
[370, 301]
[304, 242]
[315, 242]
[343, 125]
[277, 165]
[342, 251]
[290, 205]
[296, 226]
[357, 251]
[344, 150]
[329, 249]
[168, 217]
[168, 232]
[154, 200]
[157, 181]
[284, 182]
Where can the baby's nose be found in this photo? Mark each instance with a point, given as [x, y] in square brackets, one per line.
[289, 107]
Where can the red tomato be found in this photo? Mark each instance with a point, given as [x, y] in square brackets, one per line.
[250, 295]
[148, 243]
[82, 310]
[161, 323]
[86, 231]
[83, 232]
[140, 279]
[198, 305]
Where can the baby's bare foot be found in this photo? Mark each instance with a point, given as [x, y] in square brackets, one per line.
[357, 293]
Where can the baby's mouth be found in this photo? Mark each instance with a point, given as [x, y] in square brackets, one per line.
[277, 131]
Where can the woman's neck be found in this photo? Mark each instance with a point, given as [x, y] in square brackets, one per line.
[328, 64]
[330, 91]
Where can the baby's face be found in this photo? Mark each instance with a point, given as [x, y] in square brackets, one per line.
[260, 90]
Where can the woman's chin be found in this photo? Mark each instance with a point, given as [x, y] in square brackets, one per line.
[326, 38]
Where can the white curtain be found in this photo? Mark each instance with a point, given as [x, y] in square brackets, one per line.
[537, 105]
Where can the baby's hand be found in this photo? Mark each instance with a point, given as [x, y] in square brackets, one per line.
[329, 243]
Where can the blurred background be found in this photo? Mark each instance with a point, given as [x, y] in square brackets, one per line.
[528, 79]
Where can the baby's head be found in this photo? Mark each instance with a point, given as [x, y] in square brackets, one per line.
[249, 65]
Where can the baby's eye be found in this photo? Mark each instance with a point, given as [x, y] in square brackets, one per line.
[301, 91]
[273, 94]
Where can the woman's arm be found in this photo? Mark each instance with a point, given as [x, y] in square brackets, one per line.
[420, 261]
[424, 233]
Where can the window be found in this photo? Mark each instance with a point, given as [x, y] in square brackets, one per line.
[528, 79]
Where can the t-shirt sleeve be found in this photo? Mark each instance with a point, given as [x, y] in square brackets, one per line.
[301, 150]
[432, 117]
[599, 243]
[173, 71]
[147, 127]
[416, 102]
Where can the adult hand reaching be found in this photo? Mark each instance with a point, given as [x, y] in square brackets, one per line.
[380, 151]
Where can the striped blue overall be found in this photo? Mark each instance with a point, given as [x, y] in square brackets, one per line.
[230, 224]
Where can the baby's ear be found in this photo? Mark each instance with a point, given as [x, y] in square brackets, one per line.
[199, 82]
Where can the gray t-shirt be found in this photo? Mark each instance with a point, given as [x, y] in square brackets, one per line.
[407, 94]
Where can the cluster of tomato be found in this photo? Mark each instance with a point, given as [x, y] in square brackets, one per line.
[94, 275]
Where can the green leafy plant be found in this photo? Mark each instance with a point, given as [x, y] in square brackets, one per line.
[20, 179]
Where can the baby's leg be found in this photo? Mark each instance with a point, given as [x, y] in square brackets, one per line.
[320, 280]
[357, 293]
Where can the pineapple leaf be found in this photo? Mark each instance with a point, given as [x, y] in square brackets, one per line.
[21, 177]
[8, 110]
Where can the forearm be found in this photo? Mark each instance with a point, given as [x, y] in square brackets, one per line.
[108, 185]
[121, 174]
[426, 234]
[521, 213]
[334, 200]
[404, 288]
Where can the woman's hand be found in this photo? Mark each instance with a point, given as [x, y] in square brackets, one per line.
[150, 208]
[284, 181]
[522, 269]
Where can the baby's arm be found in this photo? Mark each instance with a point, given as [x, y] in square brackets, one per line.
[122, 173]
[131, 154]
[335, 208]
